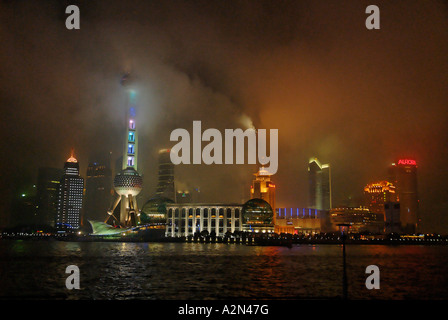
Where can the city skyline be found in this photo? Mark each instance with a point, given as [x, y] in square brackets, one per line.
[359, 116]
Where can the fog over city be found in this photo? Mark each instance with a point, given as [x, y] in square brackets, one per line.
[355, 98]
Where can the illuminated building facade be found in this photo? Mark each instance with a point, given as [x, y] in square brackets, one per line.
[403, 174]
[377, 194]
[299, 220]
[319, 176]
[258, 216]
[187, 219]
[263, 188]
[360, 220]
[128, 183]
[99, 191]
[70, 197]
[165, 185]
[48, 180]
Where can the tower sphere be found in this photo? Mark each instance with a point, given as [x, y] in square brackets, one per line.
[128, 182]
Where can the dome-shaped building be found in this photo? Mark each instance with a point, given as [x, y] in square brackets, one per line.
[154, 211]
[258, 216]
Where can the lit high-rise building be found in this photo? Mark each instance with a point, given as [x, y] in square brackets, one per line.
[98, 191]
[165, 185]
[377, 194]
[403, 174]
[319, 185]
[263, 188]
[70, 197]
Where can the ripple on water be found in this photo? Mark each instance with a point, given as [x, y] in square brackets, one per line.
[36, 270]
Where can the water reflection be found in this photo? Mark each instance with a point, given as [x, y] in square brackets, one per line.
[217, 271]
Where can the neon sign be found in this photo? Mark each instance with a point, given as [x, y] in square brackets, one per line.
[407, 162]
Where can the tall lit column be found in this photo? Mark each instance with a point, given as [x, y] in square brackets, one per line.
[128, 183]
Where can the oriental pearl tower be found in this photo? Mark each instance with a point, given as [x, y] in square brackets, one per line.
[128, 182]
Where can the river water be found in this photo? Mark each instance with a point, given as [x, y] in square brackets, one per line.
[187, 271]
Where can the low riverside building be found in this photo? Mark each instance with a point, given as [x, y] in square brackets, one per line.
[300, 220]
[360, 219]
[186, 219]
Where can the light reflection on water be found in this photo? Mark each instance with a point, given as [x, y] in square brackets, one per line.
[36, 270]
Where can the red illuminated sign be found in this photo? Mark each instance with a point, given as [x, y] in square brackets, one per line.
[408, 162]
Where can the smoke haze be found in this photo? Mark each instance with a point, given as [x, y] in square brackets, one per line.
[351, 97]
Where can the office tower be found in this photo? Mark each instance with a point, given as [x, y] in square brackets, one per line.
[392, 217]
[403, 174]
[319, 176]
[70, 196]
[128, 183]
[98, 191]
[165, 185]
[48, 180]
[377, 194]
[263, 188]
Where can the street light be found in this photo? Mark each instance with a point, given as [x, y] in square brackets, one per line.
[343, 227]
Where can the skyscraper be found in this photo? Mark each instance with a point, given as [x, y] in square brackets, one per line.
[70, 196]
[165, 185]
[48, 180]
[98, 191]
[319, 176]
[377, 194]
[403, 174]
[263, 188]
[128, 183]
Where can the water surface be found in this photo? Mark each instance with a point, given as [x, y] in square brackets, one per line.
[114, 270]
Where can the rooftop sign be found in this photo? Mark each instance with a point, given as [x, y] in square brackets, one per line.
[407, 162]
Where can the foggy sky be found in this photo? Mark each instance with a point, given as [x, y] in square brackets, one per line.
[354, 98]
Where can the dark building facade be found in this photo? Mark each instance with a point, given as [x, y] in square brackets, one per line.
[392, 223]
[403, 174]
[99, 191]
[165, 185]
[183, 197]
[48, 180]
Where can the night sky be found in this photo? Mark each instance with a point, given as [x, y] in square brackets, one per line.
[355, 98]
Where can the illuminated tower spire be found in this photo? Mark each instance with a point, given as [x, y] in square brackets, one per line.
[130, 153]
[128, 183]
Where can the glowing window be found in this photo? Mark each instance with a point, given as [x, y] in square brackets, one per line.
[131, 137]
[132, 124]
[130, 161]
[131, 149]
